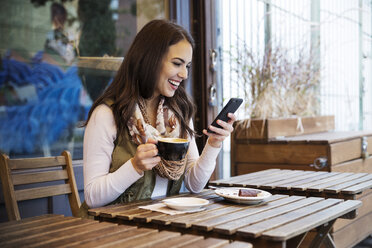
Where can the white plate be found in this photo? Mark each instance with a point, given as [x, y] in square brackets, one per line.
[232, 194]
[185, 203]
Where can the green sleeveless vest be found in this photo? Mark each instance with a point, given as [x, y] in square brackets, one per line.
[124, 150]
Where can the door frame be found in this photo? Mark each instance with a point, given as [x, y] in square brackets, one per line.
[199, 18]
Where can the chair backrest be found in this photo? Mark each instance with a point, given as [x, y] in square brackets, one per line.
[31, 171]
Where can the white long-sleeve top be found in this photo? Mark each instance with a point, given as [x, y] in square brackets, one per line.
[102, 187]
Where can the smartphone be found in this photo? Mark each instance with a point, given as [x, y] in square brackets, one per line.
[230, 107]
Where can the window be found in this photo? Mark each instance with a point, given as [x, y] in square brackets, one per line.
[337, 31]
[53, 66]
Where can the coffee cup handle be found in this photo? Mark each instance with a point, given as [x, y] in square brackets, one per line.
[157, 147]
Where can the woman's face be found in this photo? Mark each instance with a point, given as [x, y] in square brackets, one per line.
[175, 68]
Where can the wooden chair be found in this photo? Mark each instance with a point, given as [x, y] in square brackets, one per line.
[28, 171]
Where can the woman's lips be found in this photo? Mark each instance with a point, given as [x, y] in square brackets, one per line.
[174, 84]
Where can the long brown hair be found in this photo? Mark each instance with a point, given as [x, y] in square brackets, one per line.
[138, 75]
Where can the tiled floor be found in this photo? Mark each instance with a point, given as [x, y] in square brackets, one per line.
[367, 243]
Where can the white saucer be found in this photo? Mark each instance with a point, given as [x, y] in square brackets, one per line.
[185, 203]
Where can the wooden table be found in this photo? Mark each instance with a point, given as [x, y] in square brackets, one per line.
[342, 185]
[60, 231]
[282, 221]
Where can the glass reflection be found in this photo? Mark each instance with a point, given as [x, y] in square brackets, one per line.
[56, 58]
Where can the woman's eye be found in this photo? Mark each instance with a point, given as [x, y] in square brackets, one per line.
[176, 63]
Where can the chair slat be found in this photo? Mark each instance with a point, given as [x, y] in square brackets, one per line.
[40, 192]
[32, 163]
[39, 177]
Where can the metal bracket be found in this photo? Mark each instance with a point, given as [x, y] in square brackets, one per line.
[212, 101]
[213, 57]
[364, 148]
[319, 163]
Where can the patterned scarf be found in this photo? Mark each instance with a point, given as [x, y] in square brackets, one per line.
[167, 125]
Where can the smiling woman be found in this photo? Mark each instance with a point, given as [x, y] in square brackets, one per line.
[147, 100]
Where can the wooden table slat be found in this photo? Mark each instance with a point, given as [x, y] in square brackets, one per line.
[355, 182]
[258, 229]
[315, 177]
[6, 225]
[208, 242]
[37, 227]
[15, 236]
[25, 223]
[244, 176]
[113, 239]
[330, 178]
[180, 241]
[261, 174]
[145, 241]
[294, 228]
[248, 177]
[320, 187]
[115, 208]
[356, 188]
[270, 178]
[231, 226]
[240, 217]
[69, 240]
[238, 244]
[186, 221]
[146, 217]
[33, 239]
[287, 180]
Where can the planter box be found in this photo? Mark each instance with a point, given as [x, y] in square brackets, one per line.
[277, 127]
[332, 148]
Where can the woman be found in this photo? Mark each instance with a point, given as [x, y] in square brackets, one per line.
[147, 99]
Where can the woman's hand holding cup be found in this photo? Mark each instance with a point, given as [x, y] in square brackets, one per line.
[146, 156]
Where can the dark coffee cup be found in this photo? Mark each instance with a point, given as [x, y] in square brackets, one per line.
[173, 149]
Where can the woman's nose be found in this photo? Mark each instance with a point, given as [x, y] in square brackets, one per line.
[183, 73]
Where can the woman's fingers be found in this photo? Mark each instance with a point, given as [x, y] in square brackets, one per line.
[215, 139]
[232, 118]
[147, 150]
[146, 156]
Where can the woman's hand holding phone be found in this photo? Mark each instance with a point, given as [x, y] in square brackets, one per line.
[222, 126]
[219, 134]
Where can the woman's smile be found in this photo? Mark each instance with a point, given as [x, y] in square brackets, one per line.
[174, 83]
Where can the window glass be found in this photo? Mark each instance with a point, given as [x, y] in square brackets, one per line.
[56, 58]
